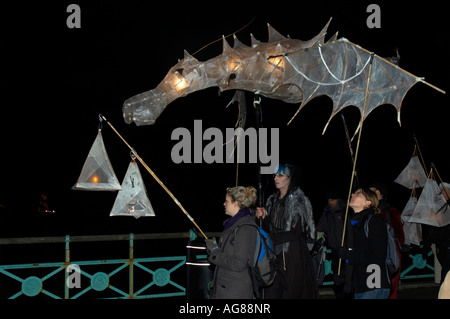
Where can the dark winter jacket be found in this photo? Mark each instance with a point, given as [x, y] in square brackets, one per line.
[332, 223]
[367, 251]
[236, 250]
[297, 210]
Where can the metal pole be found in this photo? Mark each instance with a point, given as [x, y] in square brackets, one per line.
[257, 105]
[131, 267]
[66, 265]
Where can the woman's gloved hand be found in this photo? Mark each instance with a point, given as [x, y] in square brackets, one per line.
[211, 245]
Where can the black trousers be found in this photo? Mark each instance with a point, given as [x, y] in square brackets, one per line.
[295, 277]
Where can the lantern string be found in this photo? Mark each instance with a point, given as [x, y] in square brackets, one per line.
[220, 39]
[100, 124]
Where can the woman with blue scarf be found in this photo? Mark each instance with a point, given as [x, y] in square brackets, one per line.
[236, 247]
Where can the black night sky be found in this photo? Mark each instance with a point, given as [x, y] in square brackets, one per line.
[58, 80]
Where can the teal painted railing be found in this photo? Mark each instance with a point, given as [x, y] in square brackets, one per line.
[97, 278]
[412, 267]
[128, 278]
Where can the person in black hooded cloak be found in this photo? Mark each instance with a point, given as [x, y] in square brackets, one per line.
[288, 218]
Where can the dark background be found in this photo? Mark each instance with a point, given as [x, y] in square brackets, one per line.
[57, 80]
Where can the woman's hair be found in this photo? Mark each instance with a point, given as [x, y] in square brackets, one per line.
[371, 196]
[245, 196]
[290, 171]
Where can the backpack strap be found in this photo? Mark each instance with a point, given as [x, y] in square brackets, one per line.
[366, 226]
[388, 214]
[258, 243]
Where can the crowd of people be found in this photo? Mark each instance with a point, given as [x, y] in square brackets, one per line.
[356, 235]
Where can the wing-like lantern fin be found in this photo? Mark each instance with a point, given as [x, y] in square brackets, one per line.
[323, 32]
[274, 35]
[238, 44]
[340, 70]
[333, 38]
[187, 56]
[255, 42]
[225, 44]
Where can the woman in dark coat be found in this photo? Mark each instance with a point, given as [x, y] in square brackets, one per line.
[289, 220]
[365, 256]
[236, 247]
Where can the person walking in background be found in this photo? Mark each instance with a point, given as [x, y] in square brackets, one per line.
[392, 217]
[288, 218]
[236, 247]
[331, 225]
[440, 236]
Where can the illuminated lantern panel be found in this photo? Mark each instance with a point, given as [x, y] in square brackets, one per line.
[97, 173]
[179, 82]
[132, 200]
[234, 65]
[276, 63]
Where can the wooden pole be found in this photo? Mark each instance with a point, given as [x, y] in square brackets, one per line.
[356, 157]
[156, 178]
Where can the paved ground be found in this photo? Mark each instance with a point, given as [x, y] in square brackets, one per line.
[419, 290]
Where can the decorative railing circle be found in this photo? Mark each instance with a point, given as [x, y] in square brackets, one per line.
[32, 286]
[161, 277]
[99, 281]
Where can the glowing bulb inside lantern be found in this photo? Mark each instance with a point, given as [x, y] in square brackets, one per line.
[182, 84]
[95, 179]
[277, 62]
[234, 66]
[179, 83]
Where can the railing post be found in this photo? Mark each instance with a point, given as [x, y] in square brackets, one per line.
[66, 264]
[131, 261]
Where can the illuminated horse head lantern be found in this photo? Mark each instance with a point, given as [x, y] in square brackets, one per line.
[258, 68]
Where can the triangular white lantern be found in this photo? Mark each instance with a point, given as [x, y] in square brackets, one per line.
[432, 208]
[97, 173]
[413, 175]
[132, 200]
[413, 231]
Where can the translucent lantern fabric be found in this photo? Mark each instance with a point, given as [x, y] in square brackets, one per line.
[97, 173]
[413, 231]
[258, 67]
[432, 208]
[413, 175]
[132, 200]
[290, 70]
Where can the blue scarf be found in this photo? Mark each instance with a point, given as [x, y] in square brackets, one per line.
[230, 221]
